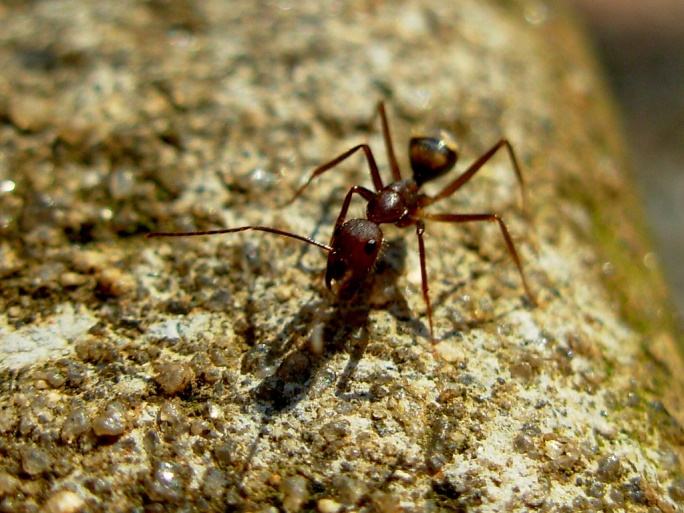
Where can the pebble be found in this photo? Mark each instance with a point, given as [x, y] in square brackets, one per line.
[350, 490]
[115, 283]
[72, 279]
[121, 183]
[385, 502]
[88, 261]
[27, 424]
[63, 501]
[219, 301]
[8, 484]
[174, 377]
[225, 453]
[213, 482]
[166, 484]
[7, 420]
[35, 461]
[535, 497]
[609, 468]
[171, 413]
[199, 427]
[76, 424]
[328, 506]
[294, 492]
[521, 370]
[31, 112]
[110, 423]
[675, 491]
[55, 378]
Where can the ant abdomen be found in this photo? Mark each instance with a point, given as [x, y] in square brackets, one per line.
[431, 157]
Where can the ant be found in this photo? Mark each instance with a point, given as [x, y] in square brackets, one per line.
[356, 243]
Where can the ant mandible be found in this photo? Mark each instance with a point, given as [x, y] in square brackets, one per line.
[355, 244]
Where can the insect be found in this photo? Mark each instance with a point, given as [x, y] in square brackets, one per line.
[355, 244]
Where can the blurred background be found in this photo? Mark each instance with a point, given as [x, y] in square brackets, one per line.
[641, 45]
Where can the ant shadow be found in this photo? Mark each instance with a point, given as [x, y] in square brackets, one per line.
[291, 361]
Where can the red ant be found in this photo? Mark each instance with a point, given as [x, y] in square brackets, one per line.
[356, 244]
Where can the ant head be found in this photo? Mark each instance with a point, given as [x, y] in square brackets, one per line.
[431, 156]
[355, 248]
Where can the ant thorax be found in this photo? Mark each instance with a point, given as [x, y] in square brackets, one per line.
[394, 203]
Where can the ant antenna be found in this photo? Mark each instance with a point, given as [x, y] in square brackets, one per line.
[242, 229]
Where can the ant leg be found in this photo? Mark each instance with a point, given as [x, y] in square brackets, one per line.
[375, 174]
[420, 230]
[394, 167]
[357, 189]
[475, 167]
[243, 229]
[466, 218]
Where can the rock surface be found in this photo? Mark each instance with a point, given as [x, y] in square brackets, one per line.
[215, 374]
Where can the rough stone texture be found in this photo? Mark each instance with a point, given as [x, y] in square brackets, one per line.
[188, 374]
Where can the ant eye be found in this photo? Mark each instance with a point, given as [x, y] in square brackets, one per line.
[337, 231]
[370, 246]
